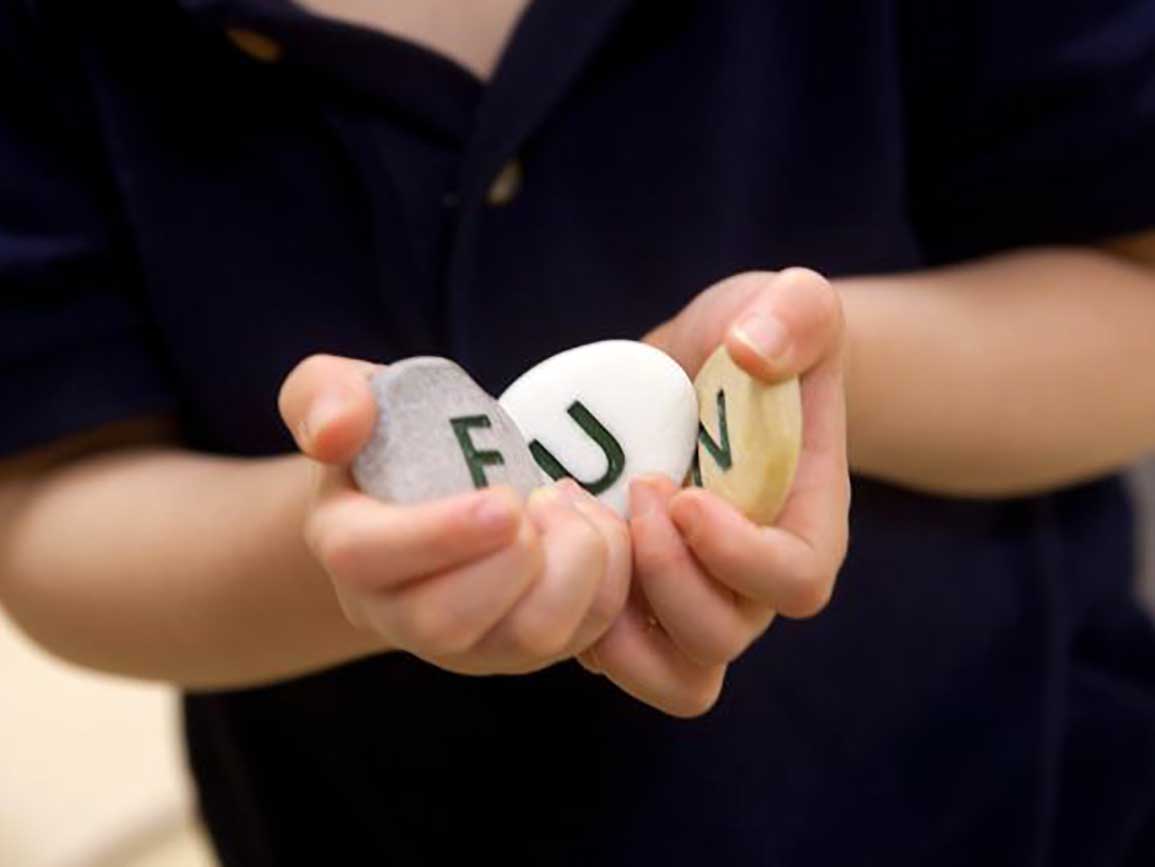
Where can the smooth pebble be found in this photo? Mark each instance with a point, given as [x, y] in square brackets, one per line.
[750, 437]
[607, 412]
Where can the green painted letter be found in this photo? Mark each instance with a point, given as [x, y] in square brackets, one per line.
[720, 453]
[615, 457]
[476, 460]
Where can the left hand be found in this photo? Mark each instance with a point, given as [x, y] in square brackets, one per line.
[707, 581]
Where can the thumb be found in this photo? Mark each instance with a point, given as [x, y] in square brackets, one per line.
[789, 325]
[327, 405]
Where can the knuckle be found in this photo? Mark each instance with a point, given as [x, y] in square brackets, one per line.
[432, 629]
[526, 557]
[318, 362]
[312, 533]
[537, 637]
[354, 610]
[841, 549]
[610, 601]
[591, 554]
[697, 701]
[338, 548]
[660, 560]
[725, 548]
[622, 544]
[802, 274]
[456, 639]
[618, 537]
[720, 649]
[742, 283]
[812, 595]
[712, 642]
[591, 543]
[827, 302]
[709, 653]
[656, 557]
[830, 306]
[309, 369]
[755, 278]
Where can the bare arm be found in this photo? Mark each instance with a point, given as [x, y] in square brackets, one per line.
[124, 553]
[1015, 374]
[1018, 373]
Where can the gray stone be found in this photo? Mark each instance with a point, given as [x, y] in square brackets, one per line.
[438, 433]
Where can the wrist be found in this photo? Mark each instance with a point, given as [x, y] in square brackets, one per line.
[299, 475]
[856, 326]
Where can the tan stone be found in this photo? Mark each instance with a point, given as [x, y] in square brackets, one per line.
[761, 438]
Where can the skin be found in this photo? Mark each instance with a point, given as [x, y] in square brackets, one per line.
[306, 573]
[471, 34]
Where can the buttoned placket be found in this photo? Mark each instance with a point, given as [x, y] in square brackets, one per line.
[546, 54]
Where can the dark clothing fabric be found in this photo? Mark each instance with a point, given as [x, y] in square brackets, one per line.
[180, 223]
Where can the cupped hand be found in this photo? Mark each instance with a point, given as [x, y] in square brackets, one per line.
[479, 583]
[708, 581]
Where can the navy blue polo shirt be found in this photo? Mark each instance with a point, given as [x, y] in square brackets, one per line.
[181, 222]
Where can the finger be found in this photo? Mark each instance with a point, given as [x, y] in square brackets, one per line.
[696, 331]
[766, 564]
[817, 507]
[447, 614]
[372, 545]
[544, 621]
[588, 660]
[615, 582]
[787, 327]
[644, 662]
[791, 566]
[775, 324]
[704, 618]
[327, 405]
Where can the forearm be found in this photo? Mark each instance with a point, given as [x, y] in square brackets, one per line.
[175, 566]
[1014, 374]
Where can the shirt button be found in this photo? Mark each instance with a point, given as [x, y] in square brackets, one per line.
[506, 185]
[256, 45]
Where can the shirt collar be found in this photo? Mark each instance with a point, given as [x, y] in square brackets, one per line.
[548, 50]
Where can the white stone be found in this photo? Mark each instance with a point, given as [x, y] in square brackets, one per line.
[637, 394]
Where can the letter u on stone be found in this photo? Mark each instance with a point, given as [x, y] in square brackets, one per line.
[611, 448]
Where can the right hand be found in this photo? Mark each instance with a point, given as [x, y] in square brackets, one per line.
[477, 583]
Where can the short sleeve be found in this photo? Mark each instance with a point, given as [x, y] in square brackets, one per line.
[76, 348]
[1028, 122]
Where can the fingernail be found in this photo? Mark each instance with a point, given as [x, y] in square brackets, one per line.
[325, 409]
[765, 334]
[656, 480]
[686, 513]
[547, 495]
[494, 512]
[570, 490]
[644, 499]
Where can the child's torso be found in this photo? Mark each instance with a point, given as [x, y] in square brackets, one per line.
[470, 33]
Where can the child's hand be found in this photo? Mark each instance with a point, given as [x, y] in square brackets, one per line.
[707, 581]
[478, 583]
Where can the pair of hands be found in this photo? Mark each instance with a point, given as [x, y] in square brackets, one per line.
[485, 583]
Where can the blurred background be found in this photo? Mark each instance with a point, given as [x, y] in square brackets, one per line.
[91, 768]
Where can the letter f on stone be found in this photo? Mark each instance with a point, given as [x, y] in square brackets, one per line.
[475, 459]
